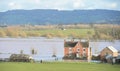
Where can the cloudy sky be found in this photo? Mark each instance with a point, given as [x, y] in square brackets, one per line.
[59, 4]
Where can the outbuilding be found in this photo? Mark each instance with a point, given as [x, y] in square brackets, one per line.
[108, 53]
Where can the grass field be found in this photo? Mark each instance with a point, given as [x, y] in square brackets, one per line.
[62, 33]
[15, 32]
[58, 66]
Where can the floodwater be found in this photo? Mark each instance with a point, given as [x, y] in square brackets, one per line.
[44, 48]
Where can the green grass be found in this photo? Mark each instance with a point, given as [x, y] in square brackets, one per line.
[63, 33]
[58, 66]
[50, 33]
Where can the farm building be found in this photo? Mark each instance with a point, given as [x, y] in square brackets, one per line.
[118, 59]
[76, 50]
[118, 52]
[21, 58]
[108, 53]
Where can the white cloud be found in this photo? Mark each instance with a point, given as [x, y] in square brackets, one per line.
[59, 4]
[102, 5]
[11, 4]
[37, 1]
[34, 1]
[112, 5]
[107, 5]
[55, 4]
[14, 5]
[78, 4]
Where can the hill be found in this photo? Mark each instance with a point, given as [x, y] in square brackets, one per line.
[50, 16]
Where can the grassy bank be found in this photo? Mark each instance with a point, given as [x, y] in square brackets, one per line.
[60, 66]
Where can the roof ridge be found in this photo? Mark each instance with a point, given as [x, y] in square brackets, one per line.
[112, 49]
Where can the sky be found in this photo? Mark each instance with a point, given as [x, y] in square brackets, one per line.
[6, 5]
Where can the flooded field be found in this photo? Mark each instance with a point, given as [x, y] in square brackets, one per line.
[44, 48]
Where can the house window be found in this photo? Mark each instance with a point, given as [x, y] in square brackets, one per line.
[77, 55]
[70, 50]
[83, 49]
[78, 49]
[106, 53]
[84, 54]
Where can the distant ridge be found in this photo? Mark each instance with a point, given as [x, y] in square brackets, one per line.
[51, 16]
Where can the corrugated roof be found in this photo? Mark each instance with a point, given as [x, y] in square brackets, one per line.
[112, 48]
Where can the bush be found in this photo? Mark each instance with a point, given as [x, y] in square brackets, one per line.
[96, 57]
[2, 33]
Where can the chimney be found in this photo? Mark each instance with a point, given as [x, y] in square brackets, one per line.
[64, 40]
[89, 54]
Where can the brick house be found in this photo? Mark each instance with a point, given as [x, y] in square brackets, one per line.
[107, 53]
[76, 50]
